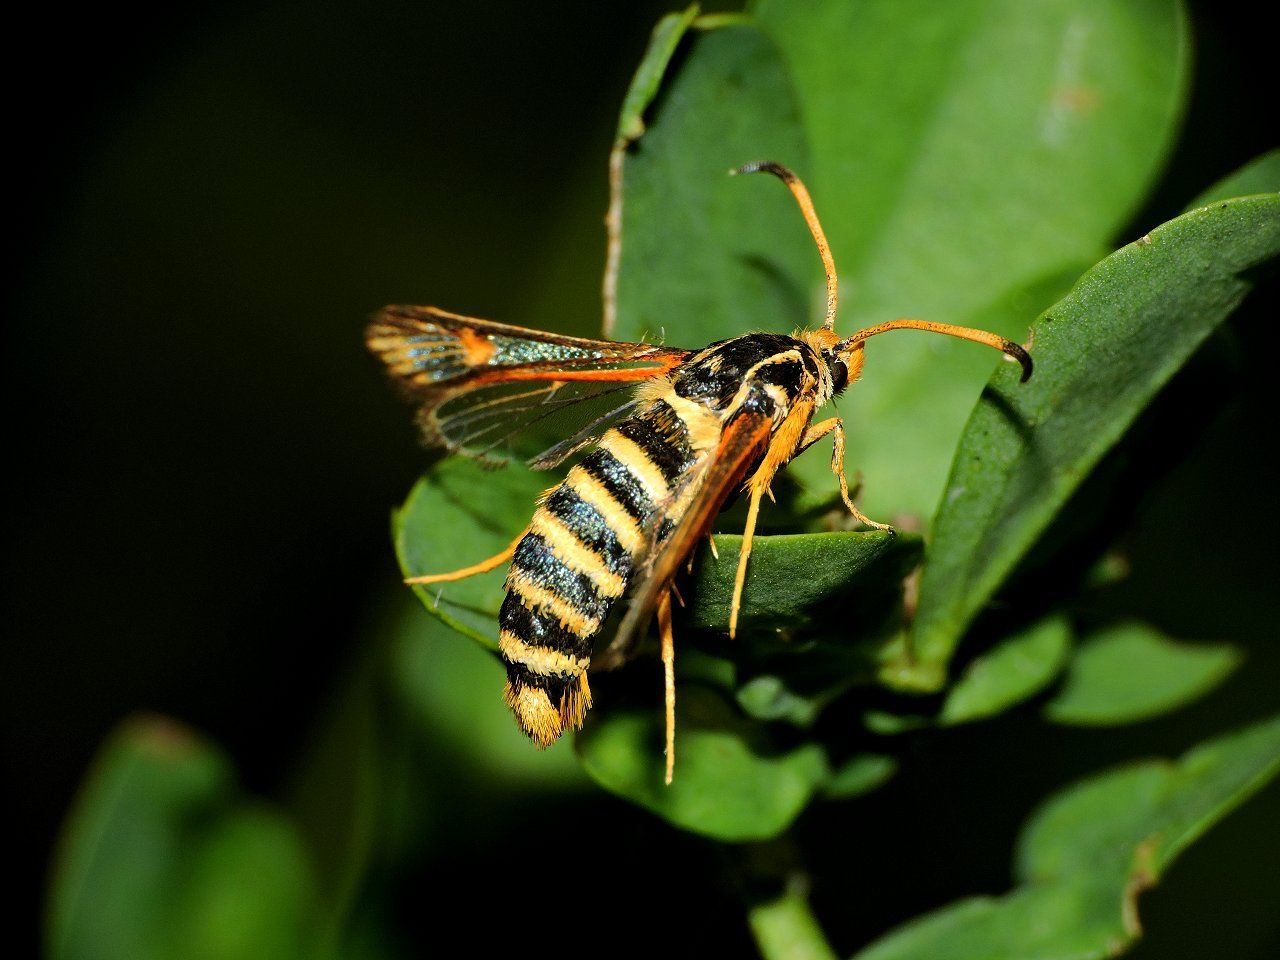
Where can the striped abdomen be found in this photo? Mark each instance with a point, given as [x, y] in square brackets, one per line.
[576, 560]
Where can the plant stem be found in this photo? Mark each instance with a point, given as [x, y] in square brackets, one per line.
[785, 927]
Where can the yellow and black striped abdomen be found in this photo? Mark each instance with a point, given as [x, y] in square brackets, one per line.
[576, 561]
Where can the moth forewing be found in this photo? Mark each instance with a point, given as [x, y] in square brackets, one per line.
[480, 384]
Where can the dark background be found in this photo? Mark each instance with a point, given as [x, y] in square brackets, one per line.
[208, 203]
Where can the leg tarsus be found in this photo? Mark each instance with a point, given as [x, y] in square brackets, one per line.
[816, 432]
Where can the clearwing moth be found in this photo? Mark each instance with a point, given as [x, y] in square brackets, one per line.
[687, 429]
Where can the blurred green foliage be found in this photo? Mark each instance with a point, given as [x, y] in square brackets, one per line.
[1013, 671]
[163, 858]
[970, 162]
[1089, 852]
[1129, 672]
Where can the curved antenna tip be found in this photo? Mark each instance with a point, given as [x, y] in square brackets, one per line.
[766, 166]
[1011, 350]
[1019, 353]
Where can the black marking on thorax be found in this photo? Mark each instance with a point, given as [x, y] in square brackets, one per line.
[715, 376]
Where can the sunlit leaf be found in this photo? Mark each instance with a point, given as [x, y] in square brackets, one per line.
[457, 515]
[961, 152]
[730, 783]
[451, 692]
[704, 255]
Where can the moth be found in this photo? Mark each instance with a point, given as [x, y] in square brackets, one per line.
[681, 432]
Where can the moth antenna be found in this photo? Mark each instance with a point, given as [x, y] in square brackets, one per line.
[797, 188]
[1007, 347]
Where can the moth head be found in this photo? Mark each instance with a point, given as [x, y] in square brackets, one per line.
[837, 357]
[840, 360]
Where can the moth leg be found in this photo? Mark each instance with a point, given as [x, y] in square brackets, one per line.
[484, 566]
[669, 680]
[836, 426]
[753, 512]
[787, 438]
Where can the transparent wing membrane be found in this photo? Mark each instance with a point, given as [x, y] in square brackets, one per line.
[502, 420]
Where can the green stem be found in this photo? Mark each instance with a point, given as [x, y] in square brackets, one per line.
[786, 929]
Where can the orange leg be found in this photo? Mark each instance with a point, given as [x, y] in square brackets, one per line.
[815, 433]
[669, 681]
[753, 512]
[484, 566]
[785, 441]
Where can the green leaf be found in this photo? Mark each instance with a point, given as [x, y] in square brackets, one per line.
[705, 255]
[444, 525]
[161, 857]
[1098, 823]
[731, 782]
[459, 514]
[960, 152]
[790, 575]
[1015, 670]
[889, 724]
[1101, 355]
[813, 607]
[451, 691]
[861, 773]
[768, 697]
[1088, 853]
[1130, 672]
[972, 151]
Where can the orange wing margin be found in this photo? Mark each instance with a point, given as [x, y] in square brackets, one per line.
[473, 376]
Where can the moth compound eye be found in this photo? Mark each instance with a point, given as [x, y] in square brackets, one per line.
[839, 375]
